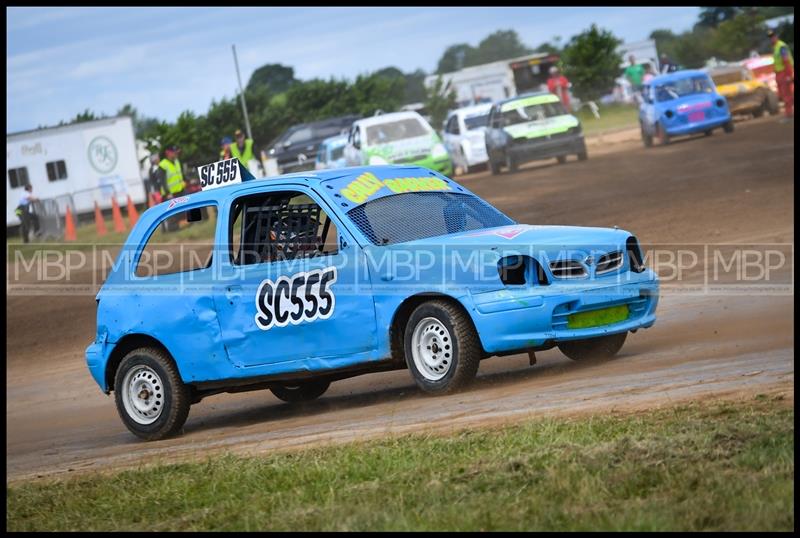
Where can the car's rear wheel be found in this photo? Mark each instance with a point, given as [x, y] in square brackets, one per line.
[511, 163]
[151, 398]
[773, 103]
[728, 127]
[562, 159]
[601, 347]
[442, 348]
[302, 391]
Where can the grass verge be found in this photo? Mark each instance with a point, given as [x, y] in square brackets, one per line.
[713, 466]
[616, 116]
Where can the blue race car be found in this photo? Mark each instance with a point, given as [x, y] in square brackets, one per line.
[682, 103]
[314, 277]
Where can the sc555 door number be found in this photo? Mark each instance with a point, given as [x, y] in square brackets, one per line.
[295, 299]
[219, 174]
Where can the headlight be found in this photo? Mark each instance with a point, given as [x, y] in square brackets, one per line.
[272, 151]
[376, 159]
[438, 151]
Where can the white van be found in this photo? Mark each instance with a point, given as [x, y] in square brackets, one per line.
[464, 138]
[397, 138]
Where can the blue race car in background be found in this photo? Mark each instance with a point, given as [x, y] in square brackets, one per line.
[314, 277]
[682, 103]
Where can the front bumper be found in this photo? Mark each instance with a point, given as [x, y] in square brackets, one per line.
[443, 165]
[546, 148]
[698, 126]
[518, 319]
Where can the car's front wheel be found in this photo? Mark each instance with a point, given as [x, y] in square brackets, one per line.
[151, 398]
[728, 127]
[302, 391]
[442, 348]
[663, 136]
[647, 139]
[601, 347]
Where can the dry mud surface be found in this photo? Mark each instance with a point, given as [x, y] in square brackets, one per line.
[736, 188]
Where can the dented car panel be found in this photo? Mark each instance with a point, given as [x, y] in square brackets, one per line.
[402, 234]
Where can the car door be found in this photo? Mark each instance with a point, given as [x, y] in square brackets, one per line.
[293, 288]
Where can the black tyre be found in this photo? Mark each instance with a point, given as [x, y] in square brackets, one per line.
[773, 103]
[494, 168]
[582, 156]
[511, 163]
[661, 133]
[442, 348]
[758, 112]
[562, 159]
[646, 138]
[303, 391]
[709, 132]
[151, 398]
[601, 347]
[728, 127]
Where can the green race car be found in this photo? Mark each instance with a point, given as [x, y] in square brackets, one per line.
[532, 127]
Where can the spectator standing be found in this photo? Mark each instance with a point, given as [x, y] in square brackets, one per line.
[225, 152]
[559, 85]
[243, 148]
[667, 65]
[783, 63]
[648, 74]
[635, 73]
[154, 183]
[26, 214]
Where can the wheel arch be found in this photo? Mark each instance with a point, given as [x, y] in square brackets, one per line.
[126, 344]
[403, 312]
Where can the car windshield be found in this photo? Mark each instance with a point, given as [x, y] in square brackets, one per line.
[476, 122]
[409, 216]
[336, 153]
[392, 131]
[730, 77]
[683, 87]
[299, 136]
[533, 113]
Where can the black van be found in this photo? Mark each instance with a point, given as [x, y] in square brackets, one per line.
[296, 149]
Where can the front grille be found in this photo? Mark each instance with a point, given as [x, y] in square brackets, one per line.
[412, 158]
[567, 269]
[609, 262]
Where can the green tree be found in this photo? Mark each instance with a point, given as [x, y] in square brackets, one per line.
[711, 17]
[276, 78]
[415, 87]
[456, 57]
[440, 99]
[500, 45]
[591, 62]
[736, 37]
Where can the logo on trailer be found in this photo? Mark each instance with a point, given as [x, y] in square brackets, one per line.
[102, 154]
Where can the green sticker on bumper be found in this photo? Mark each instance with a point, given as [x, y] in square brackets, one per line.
[595, 318]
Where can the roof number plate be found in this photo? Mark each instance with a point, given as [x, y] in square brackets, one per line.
[220, 174]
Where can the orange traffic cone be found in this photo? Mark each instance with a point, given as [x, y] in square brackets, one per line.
[119, 226]
[133, 215]
[69, 228]
[99, 221]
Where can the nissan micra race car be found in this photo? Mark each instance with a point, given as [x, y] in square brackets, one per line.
[314, 277]
[682, 103]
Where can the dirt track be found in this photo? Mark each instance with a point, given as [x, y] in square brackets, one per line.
[722, 189]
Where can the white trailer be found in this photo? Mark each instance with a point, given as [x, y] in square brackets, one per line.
[497, 80]
[77, 164]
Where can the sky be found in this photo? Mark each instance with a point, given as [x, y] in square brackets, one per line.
[61, 61]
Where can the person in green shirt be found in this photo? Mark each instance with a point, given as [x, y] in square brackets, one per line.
[635, 73]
